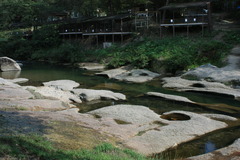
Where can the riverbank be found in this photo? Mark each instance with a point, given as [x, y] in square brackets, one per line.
[168, 55]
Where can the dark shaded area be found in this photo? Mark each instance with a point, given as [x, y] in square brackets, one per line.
[175, 117]
[15, 123]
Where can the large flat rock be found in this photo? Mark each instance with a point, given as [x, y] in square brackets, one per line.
[33, 105]
[91, 94]
[136, 127]
[170, 97]
[149, 133]
[200, 86]
[10, 92]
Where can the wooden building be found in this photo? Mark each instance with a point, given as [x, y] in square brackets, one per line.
[185, 15]
[103, 29]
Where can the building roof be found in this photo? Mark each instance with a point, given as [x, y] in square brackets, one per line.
[115, 17]
[173, 6]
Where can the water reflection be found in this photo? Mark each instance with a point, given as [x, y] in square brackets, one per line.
[10, 74]
[209, 147]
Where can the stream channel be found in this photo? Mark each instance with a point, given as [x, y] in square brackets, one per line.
[41, 72]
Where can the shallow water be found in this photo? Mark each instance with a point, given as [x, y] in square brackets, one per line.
[40, 72]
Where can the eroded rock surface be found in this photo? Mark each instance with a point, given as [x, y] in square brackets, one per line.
[8, 64]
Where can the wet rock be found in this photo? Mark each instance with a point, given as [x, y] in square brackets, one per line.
[90, 94]
[209, 87]
[91, 66]
[18, 80]
[170, 97]
[220, 117]
[8, 64]
[114, 72]
[130, 75]
[137, 76]
[66, 85]
[54, 93]
[33, 105]
[231, 152]
[225, 75]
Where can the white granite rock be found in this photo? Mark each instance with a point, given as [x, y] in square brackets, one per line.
[66, 85]
[91, 94]
[8, 64]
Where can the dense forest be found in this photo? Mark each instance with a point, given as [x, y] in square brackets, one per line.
[28, 12]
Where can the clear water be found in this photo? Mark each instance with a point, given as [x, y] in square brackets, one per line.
[40, 72]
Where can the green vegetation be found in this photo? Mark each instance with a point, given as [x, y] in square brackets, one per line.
[232, 37]
[36, 147]
[178, 53]
[175, 53]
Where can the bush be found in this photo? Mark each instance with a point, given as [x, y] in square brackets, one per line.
[176, 53]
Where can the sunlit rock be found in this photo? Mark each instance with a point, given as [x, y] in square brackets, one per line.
[62, 84]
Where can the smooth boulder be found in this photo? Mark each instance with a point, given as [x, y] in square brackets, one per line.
[8, 64]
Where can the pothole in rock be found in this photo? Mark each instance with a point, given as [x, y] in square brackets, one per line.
[198, 85]
[175, 117]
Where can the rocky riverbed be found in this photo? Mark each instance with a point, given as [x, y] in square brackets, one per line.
[132, 126]
[50, 110]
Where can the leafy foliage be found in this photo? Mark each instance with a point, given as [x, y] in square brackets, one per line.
[175, 53]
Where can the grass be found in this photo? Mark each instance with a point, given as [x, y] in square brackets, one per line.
[36, 147]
